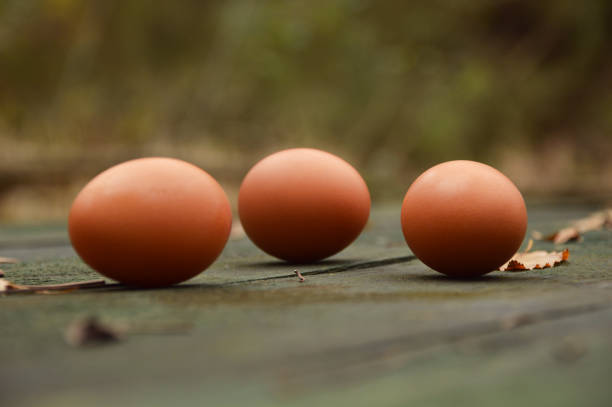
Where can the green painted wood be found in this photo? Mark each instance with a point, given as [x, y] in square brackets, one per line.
[371, 326]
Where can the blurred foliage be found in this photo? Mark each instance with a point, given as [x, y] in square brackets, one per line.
[394, 85]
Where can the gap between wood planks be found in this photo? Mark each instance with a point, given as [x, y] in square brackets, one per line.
[372, 358]
[337, 269]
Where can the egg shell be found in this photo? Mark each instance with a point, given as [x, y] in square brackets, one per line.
[303, 205]
[150, 222]
[463, 218]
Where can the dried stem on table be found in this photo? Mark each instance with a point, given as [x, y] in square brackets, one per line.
[8, 287]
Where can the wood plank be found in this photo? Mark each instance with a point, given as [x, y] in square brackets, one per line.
[369, 327]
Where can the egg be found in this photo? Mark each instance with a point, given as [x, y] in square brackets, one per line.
[150, 222]
[463, 218]
[303, 205]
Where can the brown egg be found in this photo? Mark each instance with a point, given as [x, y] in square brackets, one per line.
[303, 205]
[463, 218]
[150, 222]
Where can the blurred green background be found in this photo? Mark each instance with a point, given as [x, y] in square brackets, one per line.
[394, 87]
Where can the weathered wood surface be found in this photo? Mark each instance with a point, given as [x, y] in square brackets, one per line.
[370, 327]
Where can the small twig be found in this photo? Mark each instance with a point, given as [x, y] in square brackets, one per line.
[63, 286]
[299, 275]
[347, 267]
[8, 260]
[8, 287]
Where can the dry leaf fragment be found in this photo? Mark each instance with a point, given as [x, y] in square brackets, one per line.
[595, 221]
[539, 259]
[569, 234]
[89, 331]
[9, 287]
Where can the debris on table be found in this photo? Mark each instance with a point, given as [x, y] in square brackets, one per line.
[540, 259]
[574, 232]
[8, 287]
[299, 275]
[89, 331]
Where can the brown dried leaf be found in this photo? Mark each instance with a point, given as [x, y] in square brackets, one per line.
[539, 259]
[595, 221]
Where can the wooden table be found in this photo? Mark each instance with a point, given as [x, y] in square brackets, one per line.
[372, 326]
